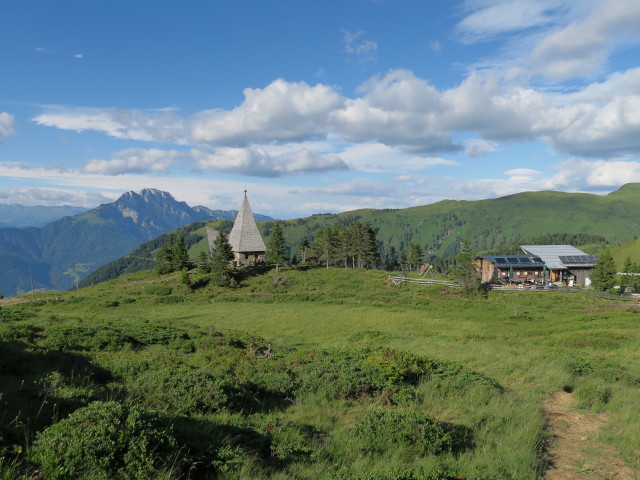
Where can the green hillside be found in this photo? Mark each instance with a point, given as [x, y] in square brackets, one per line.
[627, 250]
[143, 377]
[489, 225]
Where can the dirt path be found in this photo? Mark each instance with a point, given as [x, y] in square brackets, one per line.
[574, 453]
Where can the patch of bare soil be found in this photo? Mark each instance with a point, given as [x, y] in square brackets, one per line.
[574, 454]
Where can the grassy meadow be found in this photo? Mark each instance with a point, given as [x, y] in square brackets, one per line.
[144, 377]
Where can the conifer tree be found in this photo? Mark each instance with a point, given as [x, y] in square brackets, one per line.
[323, 246]
[373, 248]
[276, 246]
[627, 280]
[221, 255]
[413, 254]
[305, 246]
[603, 275]
[180, 253]
[339, 244]
[464, 271]
[164, 257]
[204, 265]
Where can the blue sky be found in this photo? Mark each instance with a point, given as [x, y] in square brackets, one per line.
[317, 106]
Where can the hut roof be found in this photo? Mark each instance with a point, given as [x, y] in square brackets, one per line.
[244, 236]
[561, 256]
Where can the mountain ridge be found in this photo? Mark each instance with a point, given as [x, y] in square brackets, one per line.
[53, 256]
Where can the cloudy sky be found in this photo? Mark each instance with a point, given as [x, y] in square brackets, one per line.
[317, 105]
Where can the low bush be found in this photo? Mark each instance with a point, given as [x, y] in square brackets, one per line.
[381, 429]
[160, 290]
[182, 390]
[156, 333]
[81, 338]
[104, 440]
[14, 314]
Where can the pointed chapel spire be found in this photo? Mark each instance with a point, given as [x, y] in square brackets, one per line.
[244, 236]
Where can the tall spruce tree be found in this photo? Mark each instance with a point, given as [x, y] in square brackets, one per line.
[413, 255]
[180, 254]
[323, 246]
[204, 264]
[464, 271]
[603, 275]
[276, 246]
[219, 260]
[164, 256]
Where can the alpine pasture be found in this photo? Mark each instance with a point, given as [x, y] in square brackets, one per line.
[148, 377]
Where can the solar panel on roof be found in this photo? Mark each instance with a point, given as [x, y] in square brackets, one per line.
[501, 260]
[537, 260]
[513, 259]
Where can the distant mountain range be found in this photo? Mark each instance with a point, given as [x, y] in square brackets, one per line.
[63, 251]
[585, 220]
[36, 216]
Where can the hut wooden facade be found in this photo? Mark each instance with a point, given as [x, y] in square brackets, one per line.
[539, 264]
[245, 239]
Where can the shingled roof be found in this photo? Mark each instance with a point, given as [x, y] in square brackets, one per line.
[244, 236]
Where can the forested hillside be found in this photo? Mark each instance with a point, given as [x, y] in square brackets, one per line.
[491, 226]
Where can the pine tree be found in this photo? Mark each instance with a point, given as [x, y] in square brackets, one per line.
[204, 265]
[323, 246]
[603, 275]
[276, 246]
[413, 255]
[304, 250]
[180, 253]
[373, 248]
[339, 244]
[164, 256]
[221, 255]
[626, 280]
[464, 271]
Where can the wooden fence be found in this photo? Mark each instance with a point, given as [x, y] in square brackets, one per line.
[400, 279]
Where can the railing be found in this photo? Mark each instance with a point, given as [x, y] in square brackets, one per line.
[400, 279]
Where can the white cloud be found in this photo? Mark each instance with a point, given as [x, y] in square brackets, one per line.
[363, 187]
[281, 112]
[355, 44]
[583, 46]
[377, 157]
[477, 146]
[397, 109]
[486, 19]
[31, 196]
[158, 126]
[399, 121]
[6, 126]
[135, 160]
[585, 175]
[259, 163]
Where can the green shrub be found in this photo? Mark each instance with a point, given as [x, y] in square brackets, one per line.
[170, 299]
[579, 367]
[156, 333]
[381, 429]
[181, 390]
[104, 440]
[79, 338]
[288, 440]
[160, 290]
[20, 332]
[358, 373]
[14, 314]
